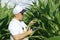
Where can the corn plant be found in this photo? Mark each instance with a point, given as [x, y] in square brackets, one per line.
[47, 14]
[5, 17]
[54, 38]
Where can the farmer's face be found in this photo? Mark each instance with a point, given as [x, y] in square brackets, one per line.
[19, 16]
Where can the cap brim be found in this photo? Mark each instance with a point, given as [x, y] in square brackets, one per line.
[23, 11]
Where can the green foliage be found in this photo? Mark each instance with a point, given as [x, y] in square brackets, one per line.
[5, 17]
[54, 38]
[47, 14]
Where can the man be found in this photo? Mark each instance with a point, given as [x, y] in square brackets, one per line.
[17, 27]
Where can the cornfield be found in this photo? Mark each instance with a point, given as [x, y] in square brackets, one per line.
[47, 16]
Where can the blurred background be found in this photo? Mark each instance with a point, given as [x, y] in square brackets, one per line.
[45, 12]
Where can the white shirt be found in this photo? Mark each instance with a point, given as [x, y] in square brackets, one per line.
[17, 27]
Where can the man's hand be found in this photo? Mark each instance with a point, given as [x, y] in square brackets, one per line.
[32, 22]
[30, 31]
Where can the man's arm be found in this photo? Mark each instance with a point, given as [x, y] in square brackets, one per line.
[22, 36]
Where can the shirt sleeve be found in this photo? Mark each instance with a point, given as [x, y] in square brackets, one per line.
[15, 29]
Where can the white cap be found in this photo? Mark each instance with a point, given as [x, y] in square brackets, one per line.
[17, 9]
